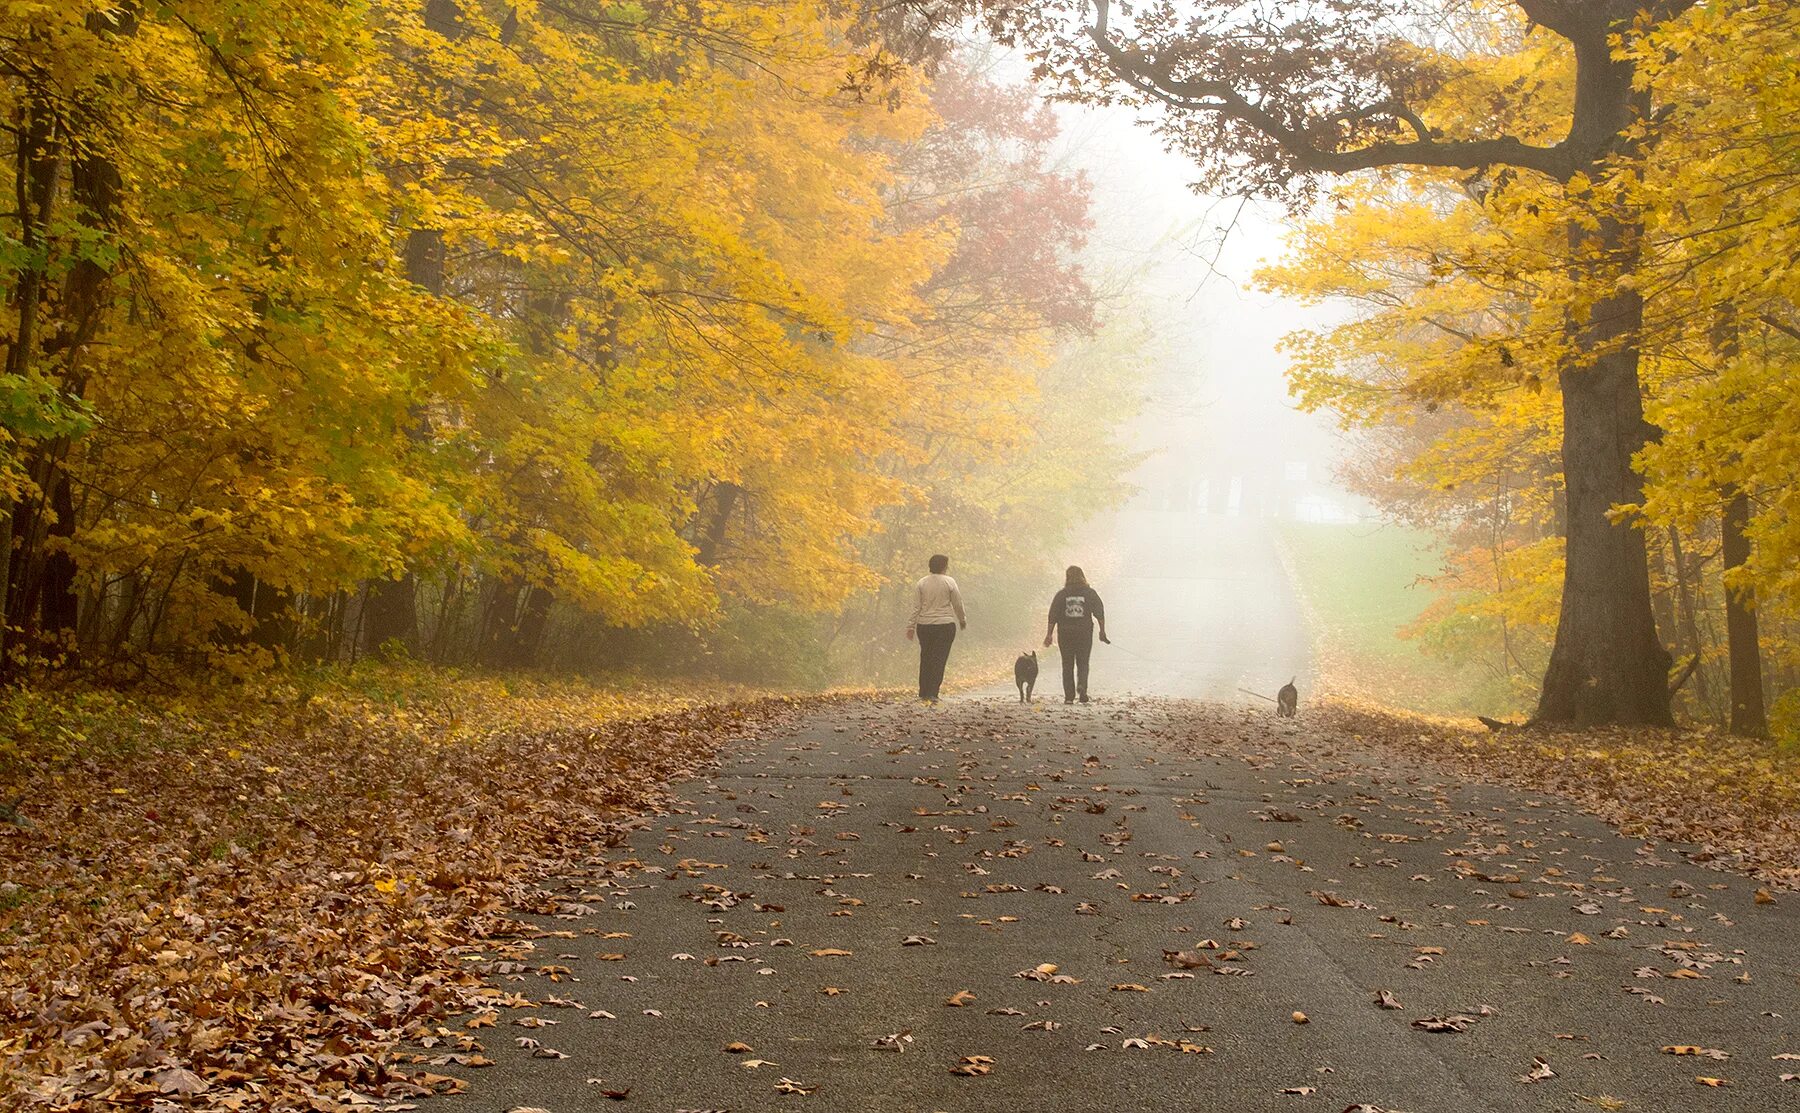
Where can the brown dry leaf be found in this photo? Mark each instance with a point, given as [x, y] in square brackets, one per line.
[1702, 1052]
[1706, 1081]
[1130, 987]
[830, 952]
[973, 1066]
[1387, 1000]
[959, 999]
[737, 1047]
[178, 1080]
[1539, 1071]
[789, 1086]
[1456, 1022]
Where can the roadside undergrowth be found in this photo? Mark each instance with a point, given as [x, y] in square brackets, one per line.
[248, 897]
[1736, 800]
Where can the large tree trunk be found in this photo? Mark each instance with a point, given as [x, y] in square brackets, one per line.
[1607, 665]
[514, 623]
[1748, 715]
[710, 547]
[391, 614]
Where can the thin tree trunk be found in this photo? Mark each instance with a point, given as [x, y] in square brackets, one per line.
[1688, 638]
[391, 610]
[1748, 716]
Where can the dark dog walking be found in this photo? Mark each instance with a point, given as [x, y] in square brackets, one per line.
[1025, 675]
[1287, 701]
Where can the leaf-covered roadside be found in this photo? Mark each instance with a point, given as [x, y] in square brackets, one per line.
[1736, 799]
[248, 899]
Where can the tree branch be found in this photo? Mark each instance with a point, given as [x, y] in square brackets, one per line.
[1220, 97]
[1779, 325]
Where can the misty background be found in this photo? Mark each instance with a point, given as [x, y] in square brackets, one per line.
[1240, 560]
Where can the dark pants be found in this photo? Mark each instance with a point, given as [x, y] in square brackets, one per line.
[1077, 645]
[934, 652]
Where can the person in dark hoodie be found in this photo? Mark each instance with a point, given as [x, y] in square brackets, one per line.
[1073, 614]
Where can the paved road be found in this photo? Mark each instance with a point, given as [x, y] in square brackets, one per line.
[1199, 606]
[955, 849]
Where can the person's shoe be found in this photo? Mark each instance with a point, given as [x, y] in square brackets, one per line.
[1084, 697]
[1067, 699]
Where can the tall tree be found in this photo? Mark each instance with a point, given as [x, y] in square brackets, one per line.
[1271, 97]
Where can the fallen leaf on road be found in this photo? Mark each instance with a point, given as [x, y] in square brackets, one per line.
[1703, 1052]
[1457, 1022]
[1539, 1071]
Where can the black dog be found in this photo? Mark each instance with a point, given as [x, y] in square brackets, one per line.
[1025, 675]
[1287, 701]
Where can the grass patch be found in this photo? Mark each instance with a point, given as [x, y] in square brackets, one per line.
[1362, 585]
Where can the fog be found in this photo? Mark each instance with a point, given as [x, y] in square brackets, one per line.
[1200, 601]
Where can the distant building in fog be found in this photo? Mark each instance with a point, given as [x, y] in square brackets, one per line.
[1188, 481]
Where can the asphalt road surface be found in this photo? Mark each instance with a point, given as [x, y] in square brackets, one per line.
[1137, 903]
[1198, 606]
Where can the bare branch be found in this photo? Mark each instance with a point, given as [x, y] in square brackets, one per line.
[1153, 79]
